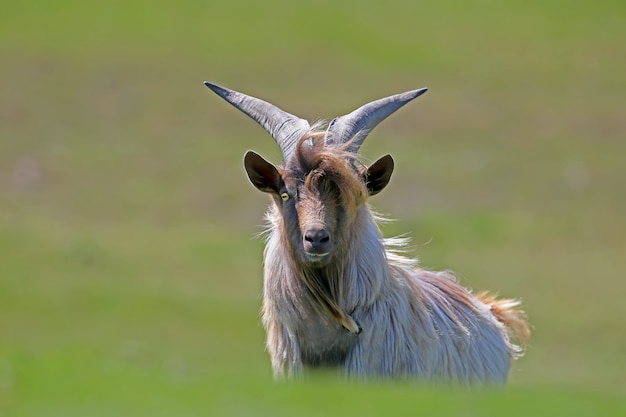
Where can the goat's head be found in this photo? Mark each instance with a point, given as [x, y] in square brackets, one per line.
[318, 193]
[322, 184]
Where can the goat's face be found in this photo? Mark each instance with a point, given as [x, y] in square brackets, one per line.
[318, 193]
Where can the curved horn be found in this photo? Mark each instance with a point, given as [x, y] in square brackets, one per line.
[285, 128]
[361, 121]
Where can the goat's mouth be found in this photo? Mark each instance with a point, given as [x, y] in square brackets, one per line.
[317, 258]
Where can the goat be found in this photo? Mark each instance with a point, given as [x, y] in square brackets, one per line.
[339, 295]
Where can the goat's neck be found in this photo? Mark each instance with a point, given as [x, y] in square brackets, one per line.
[365, 264]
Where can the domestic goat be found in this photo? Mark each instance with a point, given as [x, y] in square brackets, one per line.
[339, 295]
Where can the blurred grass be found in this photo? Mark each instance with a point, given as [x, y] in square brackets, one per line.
[129, 275]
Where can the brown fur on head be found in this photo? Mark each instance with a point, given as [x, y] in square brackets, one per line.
[318, 193]
[330, 175]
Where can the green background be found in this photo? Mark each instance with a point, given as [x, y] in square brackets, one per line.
[130, 277]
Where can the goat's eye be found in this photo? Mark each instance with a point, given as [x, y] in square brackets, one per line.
[284, 196]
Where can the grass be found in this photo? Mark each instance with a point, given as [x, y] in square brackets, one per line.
[129, 274]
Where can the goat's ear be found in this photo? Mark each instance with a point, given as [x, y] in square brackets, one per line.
[263, 175]
[378, 174]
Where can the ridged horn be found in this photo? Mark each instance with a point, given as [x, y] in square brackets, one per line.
[285, 128]
[357, 125]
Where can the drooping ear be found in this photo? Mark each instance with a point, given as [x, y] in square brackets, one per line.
[263, 175]
[377, 175]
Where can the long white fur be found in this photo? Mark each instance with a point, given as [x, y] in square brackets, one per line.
[416, 323]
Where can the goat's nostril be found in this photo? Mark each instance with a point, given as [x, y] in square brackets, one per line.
[317, 236]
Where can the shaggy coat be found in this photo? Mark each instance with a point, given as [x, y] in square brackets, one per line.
[414, 322]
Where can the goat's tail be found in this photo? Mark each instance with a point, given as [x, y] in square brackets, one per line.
[509, 312]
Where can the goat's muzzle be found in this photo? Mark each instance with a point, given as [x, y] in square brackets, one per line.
[317, 244]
